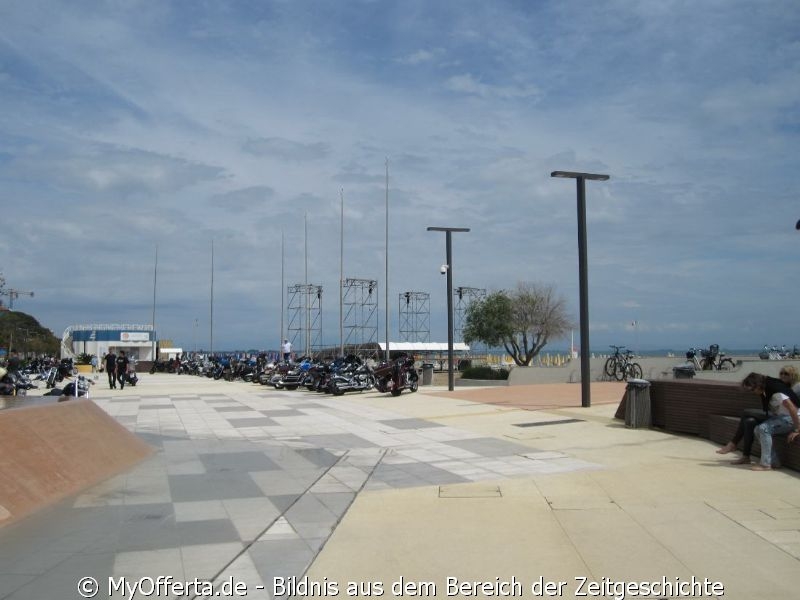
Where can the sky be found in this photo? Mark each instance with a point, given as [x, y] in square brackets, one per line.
[130, 127]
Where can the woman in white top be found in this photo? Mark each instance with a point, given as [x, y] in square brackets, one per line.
[783, 418]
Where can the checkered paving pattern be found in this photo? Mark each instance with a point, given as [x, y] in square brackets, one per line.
[245, 484]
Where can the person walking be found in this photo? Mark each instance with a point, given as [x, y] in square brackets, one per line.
[94, 363]
[122, 368]
[110, 360]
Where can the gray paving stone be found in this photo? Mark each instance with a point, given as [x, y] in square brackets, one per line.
[343, 441]
[285, 412]
[237, 461]
[284, 558]
[283, 502]
[409, 423]
[318, 456]
[215, 531]
[489, 447]
[61, 581]
[213, 486]
[252, 422]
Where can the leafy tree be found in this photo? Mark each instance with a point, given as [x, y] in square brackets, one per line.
[522, 320]
[26, 334]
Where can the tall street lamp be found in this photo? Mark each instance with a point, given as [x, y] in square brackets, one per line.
[447, 269]
[583, 277]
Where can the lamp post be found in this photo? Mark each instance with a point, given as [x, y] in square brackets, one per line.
[583, 277]
[447, 269]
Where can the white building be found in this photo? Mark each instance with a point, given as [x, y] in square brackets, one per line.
[138, 341]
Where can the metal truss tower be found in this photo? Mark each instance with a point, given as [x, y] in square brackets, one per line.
[415, 316]
[305, 317]
[360, 319]
[464, 296]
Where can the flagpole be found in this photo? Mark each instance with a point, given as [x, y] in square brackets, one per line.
[341, 275]
[211, 327]
[386, 277]
[153, 321]
[281, 336]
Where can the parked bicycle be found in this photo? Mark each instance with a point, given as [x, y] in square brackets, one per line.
[714, 360]
[611, 362]
[621, 366]
[710, 360]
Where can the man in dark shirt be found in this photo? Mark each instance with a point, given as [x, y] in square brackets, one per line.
[111, 369]
[122, 368]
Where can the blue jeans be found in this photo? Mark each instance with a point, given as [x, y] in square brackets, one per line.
[764, 432]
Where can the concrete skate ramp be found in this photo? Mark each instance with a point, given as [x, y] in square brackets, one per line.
[50, 452]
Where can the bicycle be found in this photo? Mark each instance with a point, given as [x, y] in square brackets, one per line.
[611, 362]
[621, 367]
[713, 360]
[627, 369]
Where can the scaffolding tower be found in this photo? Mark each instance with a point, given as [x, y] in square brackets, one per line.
[415, 316]
[464, 296]
[305, 317]
[360, 319]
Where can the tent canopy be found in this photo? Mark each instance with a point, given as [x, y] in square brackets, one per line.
[423, 346]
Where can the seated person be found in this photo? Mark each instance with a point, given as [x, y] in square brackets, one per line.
[766, 387]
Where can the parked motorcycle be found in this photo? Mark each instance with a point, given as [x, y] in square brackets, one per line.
[354, 376]
[83, 385]
[396, 376]
[131, 378]
[295, 376]
[12, 383]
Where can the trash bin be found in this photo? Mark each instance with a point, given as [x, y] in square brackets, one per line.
[683, 372]
[427, 373]
[637, 404]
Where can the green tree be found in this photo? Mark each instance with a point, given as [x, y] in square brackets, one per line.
[522, 320]
[26, 334]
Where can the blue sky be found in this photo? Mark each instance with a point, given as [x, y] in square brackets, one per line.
[131, 124]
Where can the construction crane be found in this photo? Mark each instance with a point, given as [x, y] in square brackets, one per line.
[13, 294]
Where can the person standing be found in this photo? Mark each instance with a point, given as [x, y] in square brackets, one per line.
[287, 350]
[122, 368]
[94, 363]
[110, 361]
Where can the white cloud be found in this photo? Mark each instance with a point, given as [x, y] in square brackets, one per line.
[286, 149]
[419, 57]
[467, 84]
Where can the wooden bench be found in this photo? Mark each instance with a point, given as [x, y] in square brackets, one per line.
[709, 409]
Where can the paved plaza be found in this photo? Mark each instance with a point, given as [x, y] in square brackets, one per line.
[250, 484]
